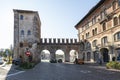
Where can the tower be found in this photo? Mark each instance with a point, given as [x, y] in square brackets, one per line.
[27, 32]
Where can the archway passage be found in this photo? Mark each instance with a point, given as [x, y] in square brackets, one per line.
[60, 55]
[45, 56]
[104, 52]
[118, 54]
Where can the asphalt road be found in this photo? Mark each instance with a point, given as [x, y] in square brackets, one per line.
[57, 71]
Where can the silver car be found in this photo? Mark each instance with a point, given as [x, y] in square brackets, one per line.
[1, 60]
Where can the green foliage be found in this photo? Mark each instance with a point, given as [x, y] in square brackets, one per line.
[27, 65]
[3, 52]
[113, 65]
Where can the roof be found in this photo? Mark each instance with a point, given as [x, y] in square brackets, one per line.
[24, 11]
[92, 10]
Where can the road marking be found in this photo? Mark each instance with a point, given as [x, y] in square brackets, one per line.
[15, 73]
[85, 71]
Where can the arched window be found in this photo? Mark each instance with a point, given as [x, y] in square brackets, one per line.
[95, 30]
[114, 5]
[21, 17]
[29, 32]
[104, 26]
[21, 44]
[88, 45]
[118, 2]
[22, 32]
[104, 40]
[82, 46]
[117, 36]
[115, 21]
[94, 43]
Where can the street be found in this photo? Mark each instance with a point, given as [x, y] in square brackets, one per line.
[62, 71]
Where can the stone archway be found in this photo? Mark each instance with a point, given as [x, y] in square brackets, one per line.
[60, 55]
[104, 53]
[45, 56]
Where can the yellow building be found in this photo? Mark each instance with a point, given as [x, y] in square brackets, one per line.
[99, 32]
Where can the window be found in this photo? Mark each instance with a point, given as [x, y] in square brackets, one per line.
[83, 28]
[87, 35]
[102, 15]
[114, 5]
[22, 32]
[29, 32]
[88, 45]
[117, 36]
[21, 45]
[119, 19]
[104, 40]
[87, 26]
[21, 17]
[30, 45]
[82, 37]
[94, 20]
[118, 2]
[94, 43]
[93, 32]
[115, 21]
[104, 26]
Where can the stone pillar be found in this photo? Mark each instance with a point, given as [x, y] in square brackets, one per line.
[52, 55]
[92, 56]
[67, 55]
[110, 53]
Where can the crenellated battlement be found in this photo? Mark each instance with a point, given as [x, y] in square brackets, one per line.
[58, 41]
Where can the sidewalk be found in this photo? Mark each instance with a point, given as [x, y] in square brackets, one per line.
[6, 66]
[102, 66]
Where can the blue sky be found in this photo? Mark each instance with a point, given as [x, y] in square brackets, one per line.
[58, 17]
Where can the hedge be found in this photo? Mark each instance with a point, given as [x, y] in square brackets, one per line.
[113, 65]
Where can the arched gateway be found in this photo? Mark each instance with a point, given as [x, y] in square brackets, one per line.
[52, 45]
[28, 43]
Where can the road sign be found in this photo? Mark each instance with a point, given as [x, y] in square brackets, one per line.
[28, 53]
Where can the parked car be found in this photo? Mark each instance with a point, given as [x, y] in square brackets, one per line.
[1, 60]
[53, 61]
[59, 60]
[16, 61]
[79, 61]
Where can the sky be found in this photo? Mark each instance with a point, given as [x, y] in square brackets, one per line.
[58, 17]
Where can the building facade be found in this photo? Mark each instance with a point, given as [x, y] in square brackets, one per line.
[27, 32]
[101, 29]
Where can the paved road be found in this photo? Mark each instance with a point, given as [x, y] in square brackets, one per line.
[56, 71]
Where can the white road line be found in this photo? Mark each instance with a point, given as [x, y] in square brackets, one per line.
[15, 73]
